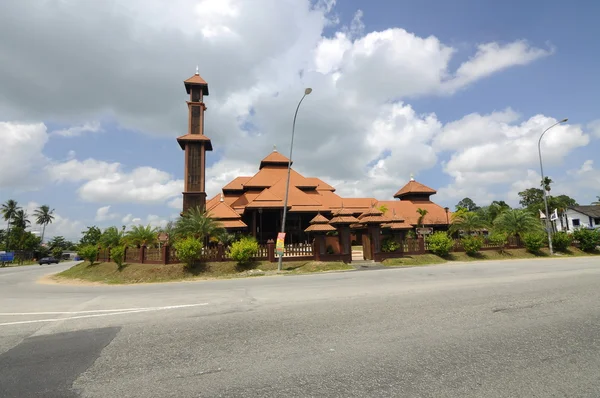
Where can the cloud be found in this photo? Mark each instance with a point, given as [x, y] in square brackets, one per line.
[61, 226]
[108, 183]
[104, 214]
[75, 131]
[594, 128]
[21, 154]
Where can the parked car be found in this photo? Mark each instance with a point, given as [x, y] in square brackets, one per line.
[48, 260]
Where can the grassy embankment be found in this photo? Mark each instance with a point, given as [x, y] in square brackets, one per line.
[149, 273]
[512, 254]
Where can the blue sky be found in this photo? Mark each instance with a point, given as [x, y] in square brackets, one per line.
[137, 99]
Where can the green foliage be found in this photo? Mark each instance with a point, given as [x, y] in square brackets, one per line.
[57, 252]
[389, 245]
[440, 243]
[243, 250]
[43, 216]
[472, 244]
[188, 250]
[117, 254]
[467, 204]
[88, 253]
[111, 237]
[534, 241]
[499, 239]
[329, 249]
[411, 234]
[467, 221]
[588, 239]
[198, 224]
[91, 236]
[383, 209]
[422, 214]
[20, 239]
[140, 235]
[561, 241]
[517, 222]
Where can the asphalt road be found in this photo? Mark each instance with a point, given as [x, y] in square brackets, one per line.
[492, 329]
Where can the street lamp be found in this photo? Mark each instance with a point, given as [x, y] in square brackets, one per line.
[287, 184]
[544, 187]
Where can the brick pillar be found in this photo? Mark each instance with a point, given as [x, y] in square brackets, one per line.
[142, 253]
[374, 231]
[165, 254]
[271, 250]
[421, 244]
[220, 252]
[317, 248]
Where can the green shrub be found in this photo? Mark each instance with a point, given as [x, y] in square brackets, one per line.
[534, 242]
[243, 250]
[57, 253]
[389, 245]
[88, 253]
[329, 249]
[499, 239]
[472, 244]
[117, 254]
[440, 244]
[561, 241]
[188, 250]
[588, 239]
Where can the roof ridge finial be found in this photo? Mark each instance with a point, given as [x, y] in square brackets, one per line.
[274, 148]
[222, 197]
[412, 176]
[197, 70]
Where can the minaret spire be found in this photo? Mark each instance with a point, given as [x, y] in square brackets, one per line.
[197, 71]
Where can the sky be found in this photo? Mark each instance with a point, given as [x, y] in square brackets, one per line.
[455, 93]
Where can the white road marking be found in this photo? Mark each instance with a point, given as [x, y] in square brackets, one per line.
[113, 312]
[95, 311]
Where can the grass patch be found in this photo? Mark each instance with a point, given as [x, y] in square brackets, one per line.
[152, 273]
[428, 259]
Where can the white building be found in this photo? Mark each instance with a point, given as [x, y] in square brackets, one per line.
[577, 217]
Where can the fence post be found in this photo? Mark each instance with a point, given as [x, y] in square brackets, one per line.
[165, 254]
[421, 243]
[220, 252]
[98, 254]
[108, 254]
[271, 250]
[316, 247]
[142, 253]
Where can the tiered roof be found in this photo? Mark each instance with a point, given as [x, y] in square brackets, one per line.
[319, 224]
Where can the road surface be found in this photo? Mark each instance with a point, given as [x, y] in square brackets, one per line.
[489, 329]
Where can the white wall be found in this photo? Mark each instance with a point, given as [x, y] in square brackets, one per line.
[570, 215]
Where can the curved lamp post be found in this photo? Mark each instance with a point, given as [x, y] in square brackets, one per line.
[287, 184]
[544, 187]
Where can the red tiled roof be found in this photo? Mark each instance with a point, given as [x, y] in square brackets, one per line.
[436, 214]
[237, 184]
[319, 228]
[196, 80]
[414, 187]
[233, 224]
[319, 219]
[274, 158]
[193, 138]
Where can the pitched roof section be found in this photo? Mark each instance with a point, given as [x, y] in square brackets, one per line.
[320, 184]
[372, 216]
[274, 158]
[196, 80]
[266, 199]
[319, 219]
[413, 187]
[590, 210]
[223, 212]
[436, 214]
[237, 184]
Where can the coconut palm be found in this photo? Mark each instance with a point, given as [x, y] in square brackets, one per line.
[140, 235]
[516, 222]
[422, 214]
[198, 224]
[21, 219]
[9, 210]
[111, 237]
[468, 222]
[43, 216]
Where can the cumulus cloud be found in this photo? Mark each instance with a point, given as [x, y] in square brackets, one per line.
[21, 154]
[61, 226]
[75, 131]
[103, 214]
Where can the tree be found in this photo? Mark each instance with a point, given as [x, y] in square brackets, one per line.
[422, 214]
[383, 209]
[59, 241]
[491, 212]
[468, 222]
[91, 236]
[546, 182]
[43, 216]
[140, 235]
[517, 222]
[597, 202]
[531, 197]
[9, 211]
[198, 224]
[21, 219]
[468, 204]
[111, 237]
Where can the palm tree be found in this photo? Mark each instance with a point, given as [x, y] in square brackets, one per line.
[198, 224]
[43, 216]
[422, 214]
[141, 235]
[111, 237]
[516, 222]
[467, 222]
[9, 210]
[546, 183]
[21, 219]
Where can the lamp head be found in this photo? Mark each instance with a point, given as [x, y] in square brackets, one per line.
[564, 120]
[307, 91]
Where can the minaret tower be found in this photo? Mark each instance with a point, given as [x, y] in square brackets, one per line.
[195, 144]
